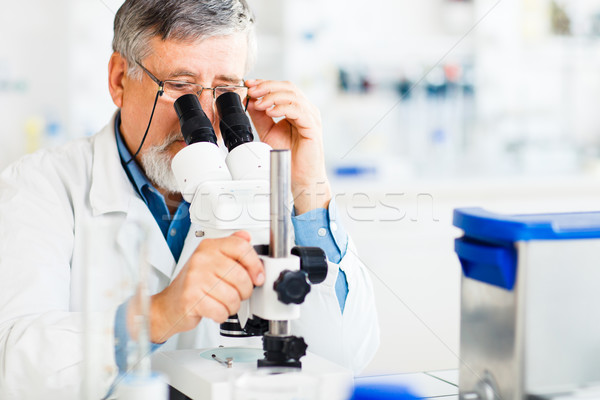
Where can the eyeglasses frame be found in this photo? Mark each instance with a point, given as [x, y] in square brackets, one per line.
[161, 85]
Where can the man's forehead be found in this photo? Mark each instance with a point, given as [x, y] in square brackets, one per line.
[224, 56]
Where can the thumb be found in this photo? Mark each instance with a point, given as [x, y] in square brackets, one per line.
[254, 265]
[262, 122]
[244, 235]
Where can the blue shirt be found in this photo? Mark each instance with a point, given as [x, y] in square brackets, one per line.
[320, 228]
[315, 228]
[174, 228]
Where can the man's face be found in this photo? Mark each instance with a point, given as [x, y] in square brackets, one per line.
[213, 62]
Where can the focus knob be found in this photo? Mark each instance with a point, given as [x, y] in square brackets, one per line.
[313, 261]
[291, 287]
[295, 348]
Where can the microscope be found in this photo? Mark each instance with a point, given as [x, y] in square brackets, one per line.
[248, 189]
[233, 194]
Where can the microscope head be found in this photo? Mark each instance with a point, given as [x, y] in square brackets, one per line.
[201, 160]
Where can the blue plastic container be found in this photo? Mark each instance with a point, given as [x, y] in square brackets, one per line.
[487, 250]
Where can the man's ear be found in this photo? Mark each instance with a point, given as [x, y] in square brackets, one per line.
[117, 68]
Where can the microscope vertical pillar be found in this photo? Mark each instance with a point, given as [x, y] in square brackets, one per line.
[279, 244]
[281, 348]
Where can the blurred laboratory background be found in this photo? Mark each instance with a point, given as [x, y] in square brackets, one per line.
[426, 105]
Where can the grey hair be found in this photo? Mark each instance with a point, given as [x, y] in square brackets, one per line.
[138, 21]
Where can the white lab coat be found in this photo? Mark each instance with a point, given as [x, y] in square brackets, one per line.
[66, 208]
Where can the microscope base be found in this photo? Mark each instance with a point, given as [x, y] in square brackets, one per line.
[285, 364]
[199, 377]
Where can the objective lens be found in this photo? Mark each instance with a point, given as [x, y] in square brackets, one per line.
[195, 125]
[235, 124]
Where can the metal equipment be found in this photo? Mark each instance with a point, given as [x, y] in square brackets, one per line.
[529, 325]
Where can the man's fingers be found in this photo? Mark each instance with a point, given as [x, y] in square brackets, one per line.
[221, 291]
[237, 276]
[261, 88]
[274, 98]
[289, 111]
[209, 307]
[241, 250]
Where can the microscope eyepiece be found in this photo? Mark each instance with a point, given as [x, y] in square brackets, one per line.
[235, 124]
[195, 125]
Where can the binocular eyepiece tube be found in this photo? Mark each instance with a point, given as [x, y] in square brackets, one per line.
[196, 127]
[235, 125]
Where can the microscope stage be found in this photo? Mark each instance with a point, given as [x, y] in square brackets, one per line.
[199, 376]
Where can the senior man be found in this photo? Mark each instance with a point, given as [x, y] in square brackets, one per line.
[57, 207]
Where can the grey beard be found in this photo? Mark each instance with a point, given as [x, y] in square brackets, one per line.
[156, 162]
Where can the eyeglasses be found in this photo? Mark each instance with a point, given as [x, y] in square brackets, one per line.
[172, 90]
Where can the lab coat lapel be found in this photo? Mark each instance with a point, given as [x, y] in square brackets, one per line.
[111, 191]
[140, 218]
[191, 242]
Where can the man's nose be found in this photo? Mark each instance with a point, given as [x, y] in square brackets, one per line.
[207, 103]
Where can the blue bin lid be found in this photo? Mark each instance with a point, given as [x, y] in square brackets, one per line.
[367, 391]
[487, 226]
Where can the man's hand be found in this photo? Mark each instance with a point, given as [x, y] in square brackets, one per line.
[300, 131]
[217, 277]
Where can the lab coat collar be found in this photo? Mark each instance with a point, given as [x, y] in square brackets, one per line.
[111, 191]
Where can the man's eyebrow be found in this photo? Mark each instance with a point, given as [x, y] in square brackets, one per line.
[181, 73]
[229, 79]
[219, 78]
